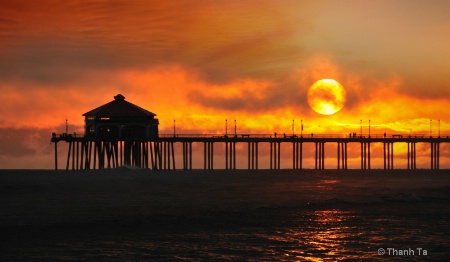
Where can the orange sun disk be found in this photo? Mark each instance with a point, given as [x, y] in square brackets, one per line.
[326, 96]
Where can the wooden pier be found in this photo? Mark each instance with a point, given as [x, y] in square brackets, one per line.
[159, 153]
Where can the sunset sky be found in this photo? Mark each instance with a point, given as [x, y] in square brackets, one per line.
[201, 62]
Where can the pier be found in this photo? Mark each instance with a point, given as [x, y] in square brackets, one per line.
[121, 133]
[158, 153]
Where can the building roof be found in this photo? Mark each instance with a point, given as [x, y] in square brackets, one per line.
[119, 107]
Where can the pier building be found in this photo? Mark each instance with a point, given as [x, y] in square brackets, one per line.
[120, 119]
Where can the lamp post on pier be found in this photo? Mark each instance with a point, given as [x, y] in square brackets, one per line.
[226, 127]
[360, 132]
[431, 134]
[369, 128]
[293, 128]
[235, 128]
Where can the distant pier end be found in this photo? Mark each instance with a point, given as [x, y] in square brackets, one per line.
[115, 132]
[120, 119]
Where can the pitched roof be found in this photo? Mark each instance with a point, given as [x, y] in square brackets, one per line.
[119, 107]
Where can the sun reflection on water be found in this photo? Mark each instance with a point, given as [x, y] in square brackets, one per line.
[323, 235]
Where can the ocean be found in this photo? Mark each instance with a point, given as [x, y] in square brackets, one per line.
[235, 215]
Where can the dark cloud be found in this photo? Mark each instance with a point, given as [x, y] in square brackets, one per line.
[18, 142]
[426, 86]
[266, 99]
[221, 41]
[27, 147]
[261, 57]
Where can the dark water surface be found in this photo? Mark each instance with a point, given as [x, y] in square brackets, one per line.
[286, 215]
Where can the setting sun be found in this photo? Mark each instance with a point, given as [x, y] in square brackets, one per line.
[326, 96]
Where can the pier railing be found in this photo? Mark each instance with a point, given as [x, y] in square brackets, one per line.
[64, 136]
[250, 135]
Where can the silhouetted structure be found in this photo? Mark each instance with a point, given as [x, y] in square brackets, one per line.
[121, 133]
[120, 119]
